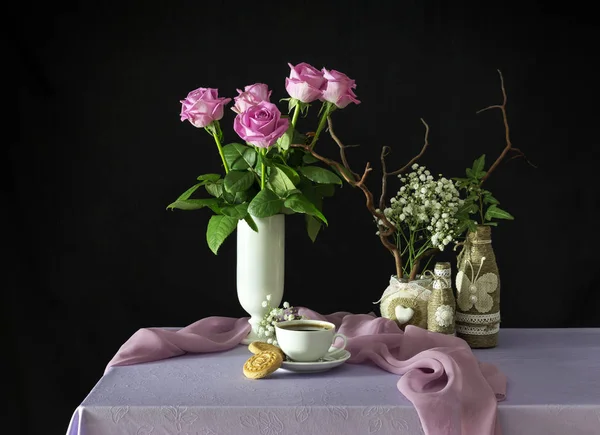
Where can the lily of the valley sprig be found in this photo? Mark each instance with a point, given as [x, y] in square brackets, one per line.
[264, 176]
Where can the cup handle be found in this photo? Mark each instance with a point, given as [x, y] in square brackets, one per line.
[339, 351]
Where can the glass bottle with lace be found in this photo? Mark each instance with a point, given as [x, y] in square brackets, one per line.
[478, 290]
[441, 305]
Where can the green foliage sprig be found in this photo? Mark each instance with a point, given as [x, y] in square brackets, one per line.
[480, 201]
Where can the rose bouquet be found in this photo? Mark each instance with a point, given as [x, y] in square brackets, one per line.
[265, 175]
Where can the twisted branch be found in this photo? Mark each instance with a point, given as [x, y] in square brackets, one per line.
[386, 228]
[508, 146]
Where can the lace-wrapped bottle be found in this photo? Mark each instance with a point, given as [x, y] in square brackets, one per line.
[442, 305]
[478, 291]
[405, 301]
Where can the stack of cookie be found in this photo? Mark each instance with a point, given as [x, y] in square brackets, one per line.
[266, 359]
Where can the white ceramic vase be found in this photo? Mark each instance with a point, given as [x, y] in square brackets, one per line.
[260, 267]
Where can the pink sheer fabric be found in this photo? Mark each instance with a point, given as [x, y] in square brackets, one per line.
[453, 393]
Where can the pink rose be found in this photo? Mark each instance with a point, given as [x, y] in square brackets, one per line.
[203, 106]
[261, 124]
[338, 89]
[304, 82]
[252, 95]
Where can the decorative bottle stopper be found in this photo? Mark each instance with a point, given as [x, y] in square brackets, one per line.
[442, 304]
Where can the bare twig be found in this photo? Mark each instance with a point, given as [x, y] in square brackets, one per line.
[385, 151]
[508, 146]
[386, 228]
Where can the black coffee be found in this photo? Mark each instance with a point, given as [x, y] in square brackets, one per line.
[305, 327]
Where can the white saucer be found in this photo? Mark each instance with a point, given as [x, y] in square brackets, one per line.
[316, 366]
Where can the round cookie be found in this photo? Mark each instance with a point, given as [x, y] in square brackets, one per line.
[257, 347]
[262, 364]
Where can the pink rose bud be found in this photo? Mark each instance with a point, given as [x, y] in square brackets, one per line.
[261, 124]
[203, 106]
[250, 96]
[304, 82]
[338, 89]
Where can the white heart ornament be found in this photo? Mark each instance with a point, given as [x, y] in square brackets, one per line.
[403, 314]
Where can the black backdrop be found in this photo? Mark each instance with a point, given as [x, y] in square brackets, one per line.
[92, 254]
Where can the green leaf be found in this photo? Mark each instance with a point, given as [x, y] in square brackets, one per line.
[309, 190]
[285, 141]
[267, 162]
[290, 172]
[309, 158]
[489, 199]
[320, 175]
[342, 170]
[266, 203]
[300, 204]
[461, 183]
[468, 207]
[326, 190]
[219, 228]
[208, 177]
[238, 211]
[239, 156]
[215, 189]
[185, 195]
[292, 102]
[313, 226]
[195, 204]
[494, 212]
[479, 164]
[492, 224]
[238, 181]
[251, 223]
[279, 182]
[240, 197]
[299, 137]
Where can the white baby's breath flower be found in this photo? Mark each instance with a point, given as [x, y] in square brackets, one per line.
[264, 304]
[268, 297]
[424, 209]
[286, 305]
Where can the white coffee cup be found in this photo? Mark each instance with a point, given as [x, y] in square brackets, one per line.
[308, 340]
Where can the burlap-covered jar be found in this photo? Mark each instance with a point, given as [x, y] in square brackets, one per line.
[405, 301]
[442, 304]
[478, 290]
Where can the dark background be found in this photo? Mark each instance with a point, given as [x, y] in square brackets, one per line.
[91, 253]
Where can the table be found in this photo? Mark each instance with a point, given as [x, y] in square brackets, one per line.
[553, 388]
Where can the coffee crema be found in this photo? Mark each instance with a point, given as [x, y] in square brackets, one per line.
[305, 327]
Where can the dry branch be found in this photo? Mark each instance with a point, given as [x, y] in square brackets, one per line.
[508, 146]
[386, 228]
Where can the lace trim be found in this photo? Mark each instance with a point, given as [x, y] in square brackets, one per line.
[478, 319]
[440, 284]
[478, 330]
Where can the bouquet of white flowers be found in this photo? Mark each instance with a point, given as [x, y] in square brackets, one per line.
[423, 213]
